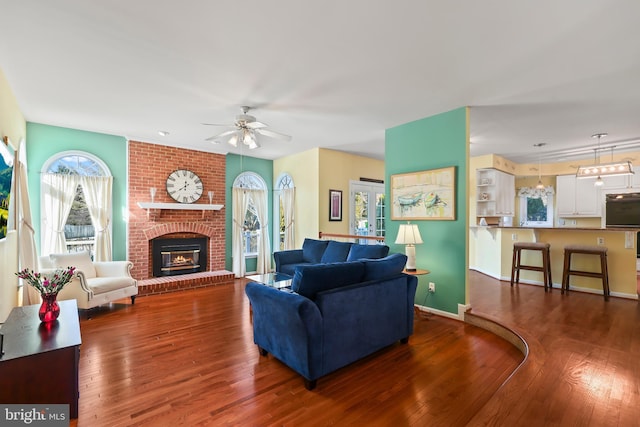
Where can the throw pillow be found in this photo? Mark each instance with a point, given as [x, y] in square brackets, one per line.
[358, 251]
[336, 252]
[80, 260]
[312, 250]
[375, 269]
[308, 280]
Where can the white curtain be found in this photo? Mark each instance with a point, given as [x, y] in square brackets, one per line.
[288, 205]
[260, 201]
[240, 205]
[97, 194]
[27, 254]
[58, 193]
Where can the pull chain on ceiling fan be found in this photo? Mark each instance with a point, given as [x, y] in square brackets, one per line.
[246, 131]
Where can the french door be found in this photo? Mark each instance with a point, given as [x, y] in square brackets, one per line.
[367, 202]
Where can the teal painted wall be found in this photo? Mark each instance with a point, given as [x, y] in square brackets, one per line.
[43, 141]
[235, 166]
[432, 143]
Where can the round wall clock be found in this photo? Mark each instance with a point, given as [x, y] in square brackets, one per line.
[184, 186]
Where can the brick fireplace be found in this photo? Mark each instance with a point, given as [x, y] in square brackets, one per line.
[149, 166]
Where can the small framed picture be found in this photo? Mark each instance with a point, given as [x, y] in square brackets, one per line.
[335, 205]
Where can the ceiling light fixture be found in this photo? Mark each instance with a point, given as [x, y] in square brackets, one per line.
[163, 133]
[598, 170]
[540, 185]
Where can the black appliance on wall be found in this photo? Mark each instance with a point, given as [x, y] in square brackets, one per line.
[623, 210]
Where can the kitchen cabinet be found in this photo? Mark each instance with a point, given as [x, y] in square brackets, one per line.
[577, 197]
[495, 193]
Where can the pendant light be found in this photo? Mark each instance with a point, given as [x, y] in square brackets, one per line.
[607, 169]
[540, 185]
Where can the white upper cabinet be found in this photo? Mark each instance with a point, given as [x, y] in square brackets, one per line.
[495, 193]
[577, 197]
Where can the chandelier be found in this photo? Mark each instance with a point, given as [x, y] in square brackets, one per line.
[598, 170]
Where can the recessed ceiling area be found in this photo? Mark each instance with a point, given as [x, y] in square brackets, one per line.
[331, 74]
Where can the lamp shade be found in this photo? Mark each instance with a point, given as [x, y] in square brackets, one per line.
[408, 234]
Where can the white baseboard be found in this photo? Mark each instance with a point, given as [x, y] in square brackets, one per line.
[439, 312]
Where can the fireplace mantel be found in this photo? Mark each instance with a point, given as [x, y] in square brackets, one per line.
[180, 206]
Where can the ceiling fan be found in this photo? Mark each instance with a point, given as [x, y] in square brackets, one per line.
[246, 130]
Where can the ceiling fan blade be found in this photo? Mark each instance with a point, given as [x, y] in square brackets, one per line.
[255, 125]
[218, 124]
[274, 134]
[221, 135]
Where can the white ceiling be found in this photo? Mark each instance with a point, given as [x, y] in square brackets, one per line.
[332, 74]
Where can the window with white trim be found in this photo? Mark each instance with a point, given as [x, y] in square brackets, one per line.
[536, 207]
[79, 231]
[251, 227]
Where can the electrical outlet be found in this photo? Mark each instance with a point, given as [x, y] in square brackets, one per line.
[600, 241]
[432, 287]
[514, 237]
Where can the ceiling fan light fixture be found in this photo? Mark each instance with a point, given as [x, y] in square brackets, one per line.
[233, 140]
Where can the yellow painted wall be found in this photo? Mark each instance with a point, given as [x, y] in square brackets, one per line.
[12, 122]
[13, 125]
[304, 169]
[337, 168]
[314, 173]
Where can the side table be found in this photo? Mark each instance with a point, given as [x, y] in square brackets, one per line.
[40, 361]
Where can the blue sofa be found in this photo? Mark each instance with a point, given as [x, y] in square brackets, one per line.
[325, 251]
[334, 314]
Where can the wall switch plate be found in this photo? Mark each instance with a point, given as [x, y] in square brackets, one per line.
[628, 239]
[514, 237]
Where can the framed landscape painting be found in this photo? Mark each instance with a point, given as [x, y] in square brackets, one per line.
[425, 195]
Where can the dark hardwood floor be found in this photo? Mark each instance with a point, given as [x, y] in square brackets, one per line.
[583, 367]
[188, 358]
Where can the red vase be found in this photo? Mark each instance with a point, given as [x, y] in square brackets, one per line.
[49, 310]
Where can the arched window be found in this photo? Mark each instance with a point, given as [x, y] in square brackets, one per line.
[284, 207]
[76, 205]
[250, 226]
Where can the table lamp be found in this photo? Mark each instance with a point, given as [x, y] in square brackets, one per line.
[408, 234]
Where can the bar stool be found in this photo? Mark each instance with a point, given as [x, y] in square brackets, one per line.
[516, 264]
[601, 251]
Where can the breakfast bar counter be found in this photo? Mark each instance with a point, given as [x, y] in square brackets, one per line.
[491, 250]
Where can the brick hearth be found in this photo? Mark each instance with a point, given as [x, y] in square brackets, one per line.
[162, 285]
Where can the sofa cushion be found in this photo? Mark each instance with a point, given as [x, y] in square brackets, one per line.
[290, 269]
[336, 252]
[308, 280]
[381, 268]
[358, 251]
[100, 285]
[312, 250]
[80, 260]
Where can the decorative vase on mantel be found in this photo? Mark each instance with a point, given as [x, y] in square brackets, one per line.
[49, 309]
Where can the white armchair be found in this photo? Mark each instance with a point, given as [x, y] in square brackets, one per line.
[94, 283]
